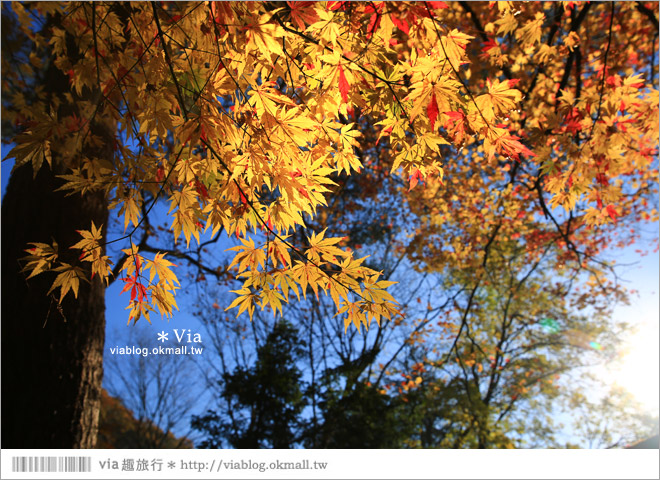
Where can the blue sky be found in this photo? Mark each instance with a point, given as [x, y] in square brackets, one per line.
[632, 369]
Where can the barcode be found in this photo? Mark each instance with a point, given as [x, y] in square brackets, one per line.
[51, 464]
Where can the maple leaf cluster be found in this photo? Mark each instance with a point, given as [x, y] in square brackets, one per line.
[243, 115]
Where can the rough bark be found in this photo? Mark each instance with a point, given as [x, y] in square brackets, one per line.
[52, 358]
[52, 355]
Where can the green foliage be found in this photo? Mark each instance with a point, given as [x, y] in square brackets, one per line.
[266, 399]
[360, 417]
[612, 419]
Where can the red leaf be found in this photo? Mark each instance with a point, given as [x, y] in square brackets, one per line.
[243, 199]
[432, 110]
[130, 285]
[613, 81]
[602, 179]
[573, 121]
[374, 21]
[437, 5]
[384, 133]
[401, 24]
[222, 14]
[415, 178]
[510, 146]
[488, 44]
[201, 190]
[647, 151]
[455, 125]
[302, 13]
[455, 116]
[611, 211]
[142, 292]
[343, 85]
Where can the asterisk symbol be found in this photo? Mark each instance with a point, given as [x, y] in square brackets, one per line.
[162, 336]
[171, 464]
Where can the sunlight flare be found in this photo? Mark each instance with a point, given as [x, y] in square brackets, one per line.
[637, 370]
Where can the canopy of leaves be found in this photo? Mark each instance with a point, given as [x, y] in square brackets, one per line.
[486, 154]
[240, 115]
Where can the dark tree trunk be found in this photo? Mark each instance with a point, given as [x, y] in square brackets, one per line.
[52, 358]
[52, 355]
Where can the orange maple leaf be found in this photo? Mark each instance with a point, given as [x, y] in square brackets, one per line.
[455, 125]
[510, 146]
[415, 178]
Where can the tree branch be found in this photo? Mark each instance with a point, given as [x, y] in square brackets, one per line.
[575, 25]
[649, 14]
[480, 29]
